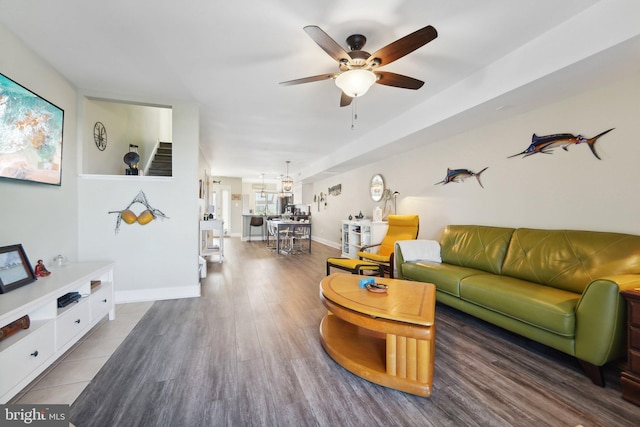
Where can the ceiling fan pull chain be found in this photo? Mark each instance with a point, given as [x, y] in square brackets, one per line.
[354, 113]
[352, 119]
[355, 106]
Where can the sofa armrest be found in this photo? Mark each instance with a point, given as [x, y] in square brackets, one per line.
[419, 250]
[601, 319]
[399, 260]
[415, 250]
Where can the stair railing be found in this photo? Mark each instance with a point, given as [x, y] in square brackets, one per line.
[151, 157]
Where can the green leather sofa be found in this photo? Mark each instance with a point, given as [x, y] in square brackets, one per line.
[558, 287]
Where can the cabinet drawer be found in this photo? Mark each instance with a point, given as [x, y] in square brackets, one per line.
[101, 302]
[634, 338]
[72, 322]
[634, 361]
[630, 387]
[26, 355]
[634, 313]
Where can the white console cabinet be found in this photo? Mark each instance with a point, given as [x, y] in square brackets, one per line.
[53, 330]
[356, 234]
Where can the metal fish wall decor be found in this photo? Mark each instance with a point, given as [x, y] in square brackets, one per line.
[459, 175]
[546, 144]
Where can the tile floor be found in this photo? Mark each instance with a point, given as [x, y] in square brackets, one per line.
[63, 381]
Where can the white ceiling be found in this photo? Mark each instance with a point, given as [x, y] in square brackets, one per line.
[228, 56]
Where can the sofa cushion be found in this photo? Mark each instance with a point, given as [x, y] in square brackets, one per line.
[569, 259]
[446, 277]
[542, 306]
[475, 246]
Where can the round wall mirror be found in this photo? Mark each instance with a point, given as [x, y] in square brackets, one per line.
[377, 187]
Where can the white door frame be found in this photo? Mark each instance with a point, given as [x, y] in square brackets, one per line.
[223, 204]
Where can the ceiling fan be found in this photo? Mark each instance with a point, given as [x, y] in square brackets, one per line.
[359, 69]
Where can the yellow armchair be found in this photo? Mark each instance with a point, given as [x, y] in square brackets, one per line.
[401, 227]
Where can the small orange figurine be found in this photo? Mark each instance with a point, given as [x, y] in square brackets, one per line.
[41, 270]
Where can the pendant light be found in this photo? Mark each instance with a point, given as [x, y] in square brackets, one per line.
[263, 193]
[287, 182]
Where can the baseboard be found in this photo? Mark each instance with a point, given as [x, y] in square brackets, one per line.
[326, 242]
[157, 294]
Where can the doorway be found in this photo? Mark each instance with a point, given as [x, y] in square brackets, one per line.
[221, 203]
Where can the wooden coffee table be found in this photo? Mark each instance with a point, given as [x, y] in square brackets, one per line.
[386, 338]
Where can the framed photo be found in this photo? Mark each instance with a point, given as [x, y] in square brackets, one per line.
[30, 135]
[15, 269]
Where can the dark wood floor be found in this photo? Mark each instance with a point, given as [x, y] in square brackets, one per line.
[247, 353]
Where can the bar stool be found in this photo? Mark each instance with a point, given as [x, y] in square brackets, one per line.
[256, 221]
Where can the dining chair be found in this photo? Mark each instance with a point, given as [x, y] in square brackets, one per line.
[285, 234]
[272, 235]
[301, 236]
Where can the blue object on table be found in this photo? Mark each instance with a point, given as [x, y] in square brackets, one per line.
[362, 283]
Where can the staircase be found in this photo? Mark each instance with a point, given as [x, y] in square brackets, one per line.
[161, 163]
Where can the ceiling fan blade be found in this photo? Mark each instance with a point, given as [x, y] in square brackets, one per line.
[345, 100]
[398, 80]
[309, 79]
[404, 46]
[327, 44]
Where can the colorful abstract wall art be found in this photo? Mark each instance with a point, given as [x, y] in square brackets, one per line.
[30, 135]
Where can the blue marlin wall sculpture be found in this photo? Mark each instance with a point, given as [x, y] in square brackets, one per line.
[545, 144]
[459, 175]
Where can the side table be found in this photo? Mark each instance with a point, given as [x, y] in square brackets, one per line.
[630, 378]
[212, 231]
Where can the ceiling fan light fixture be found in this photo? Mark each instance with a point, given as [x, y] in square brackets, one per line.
[355, 83]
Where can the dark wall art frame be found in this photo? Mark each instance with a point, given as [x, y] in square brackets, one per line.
[15, 268]
[30, 135]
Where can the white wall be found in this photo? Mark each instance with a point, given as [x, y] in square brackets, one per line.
[236, 207]
[158, 260]
[568, 189]
[42, 217]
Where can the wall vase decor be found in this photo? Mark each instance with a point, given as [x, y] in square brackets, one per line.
[459, 175]
[545, 144]
[145, 217]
